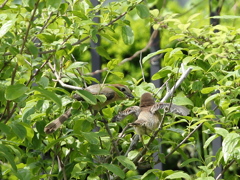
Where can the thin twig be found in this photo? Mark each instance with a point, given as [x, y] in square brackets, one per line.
[183, 76]
[159, 89]
[58, 79]
[184, 140]
[136, 54]
[29, 27]
[225, 169]
[114, 144]
[3, 4]
[140, 62]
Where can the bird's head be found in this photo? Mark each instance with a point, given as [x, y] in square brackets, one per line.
[126, 92]
[147, 100]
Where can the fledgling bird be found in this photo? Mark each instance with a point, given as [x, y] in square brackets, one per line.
[111, 91]
[148, 117]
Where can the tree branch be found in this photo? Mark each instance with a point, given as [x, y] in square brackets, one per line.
[225, 169]
[136, 54]
[183, 141]
[3, 4]
[170, 93]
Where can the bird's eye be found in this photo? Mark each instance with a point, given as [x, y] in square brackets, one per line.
[122, 89]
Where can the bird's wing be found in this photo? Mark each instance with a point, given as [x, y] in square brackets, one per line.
[176, 109]
[134, 110]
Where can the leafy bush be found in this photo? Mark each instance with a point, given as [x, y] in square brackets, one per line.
[44, 58]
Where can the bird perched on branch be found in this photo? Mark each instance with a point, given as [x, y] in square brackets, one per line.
[148, 117]
[113, 92]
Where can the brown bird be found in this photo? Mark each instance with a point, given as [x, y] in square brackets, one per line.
[113, 92]
[148, 117]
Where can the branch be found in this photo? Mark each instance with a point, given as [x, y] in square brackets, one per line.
[29, 26]
[170, 93]
[3, 4]
[225, 169]
[136, 54]
[58, 79]
[184, 140]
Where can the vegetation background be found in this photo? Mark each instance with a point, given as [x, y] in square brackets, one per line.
[45, 54]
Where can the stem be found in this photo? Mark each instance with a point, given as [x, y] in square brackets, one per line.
[3, 4]
[29, 26]
[184, 140]
[225, 169]
[170, 93]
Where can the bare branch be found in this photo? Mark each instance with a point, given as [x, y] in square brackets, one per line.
[184, 140]
[58, 79]
[170, 93]
[3, 4]
[224, 170]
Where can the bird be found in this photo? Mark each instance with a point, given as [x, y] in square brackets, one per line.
[113, 92]
[148, 117]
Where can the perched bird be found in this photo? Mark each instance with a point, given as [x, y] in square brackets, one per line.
[148, 117]
[113, 92]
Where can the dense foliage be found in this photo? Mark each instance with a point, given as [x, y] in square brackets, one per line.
[44, 57]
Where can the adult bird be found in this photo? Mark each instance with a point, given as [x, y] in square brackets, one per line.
[113, 92]
[148, 117]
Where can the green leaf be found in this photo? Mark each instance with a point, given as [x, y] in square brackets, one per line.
[206, 178]
[44, 82]
[127, 35]
[96, 151]
[209, 99]
[118, 74]
[49, 95]
[91, 137]
[175, 51]
[154, 54]
[19, 130]
[53, 4]
[226, 17]
[52, 143]
[142, 11]
[29, 131]
[114, 169]
[87, 96]
[6, 27]
[5, 152]
[126, 162]
[109, 37]
[180, 100]
[209, 140]
[46, 37]
[76, 65]
[101, 98]
[150, 174]
[15, 91]
[193, 16]
[132, 154]
[32, 48]
[197, 85]
[208, 90]
[178, 175]
[102, 52]
[112, 64]
[231, 147]
[28, 3]
[221, 131]
[5, 129]
[162, 73]
[188, 161]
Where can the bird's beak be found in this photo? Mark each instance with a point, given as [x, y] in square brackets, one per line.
[129, 95]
